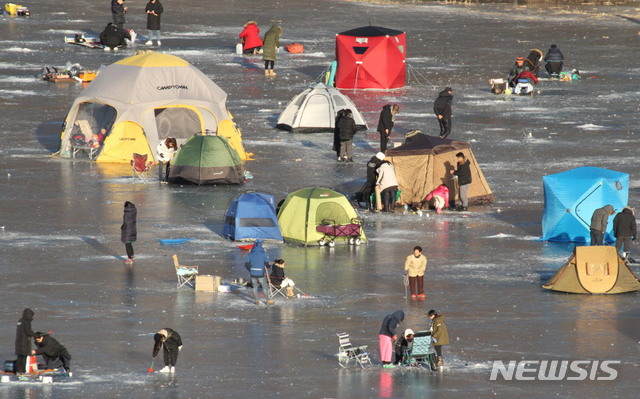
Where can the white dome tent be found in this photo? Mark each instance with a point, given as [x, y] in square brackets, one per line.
[315, 109]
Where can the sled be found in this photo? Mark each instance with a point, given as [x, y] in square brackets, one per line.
[173, 241]
[79, 39]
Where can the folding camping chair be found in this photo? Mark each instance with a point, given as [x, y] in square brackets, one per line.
[140, 166]
[348, 352]
[422, 352]
[186, 274]
[279, 290]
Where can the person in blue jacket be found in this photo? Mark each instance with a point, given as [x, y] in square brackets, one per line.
[257, 264]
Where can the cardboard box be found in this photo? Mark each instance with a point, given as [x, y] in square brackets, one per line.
[207, 283]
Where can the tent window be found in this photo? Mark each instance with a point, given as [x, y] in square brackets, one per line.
[93, 119]
[360, 50]
[256, 222]
[332, 210]
[362, 40]
[339, 102]
[177, 122]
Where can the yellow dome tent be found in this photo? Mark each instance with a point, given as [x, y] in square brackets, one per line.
[139, 101]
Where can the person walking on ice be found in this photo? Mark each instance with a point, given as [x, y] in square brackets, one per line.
[415, 265]
[442, 109]
[171, 344]
[439, 334]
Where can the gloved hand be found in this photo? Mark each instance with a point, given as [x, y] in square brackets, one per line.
[404, 273]
[180, 348]
[434, 340]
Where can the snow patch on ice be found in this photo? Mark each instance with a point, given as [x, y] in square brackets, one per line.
[18, 92]
[19, 50]
[590, 126]
[17, 79]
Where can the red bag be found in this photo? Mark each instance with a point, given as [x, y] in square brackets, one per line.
[295, 48]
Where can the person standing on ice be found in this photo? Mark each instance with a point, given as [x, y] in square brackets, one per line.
[271, 42]
[129, 230]
[257, 264]
[442, 109]
[171, 344]
[372, 176]
[624, 229]
[385, 124]
[117, 13]
[23, 340]
[439, 334]
[347, 130]
[166, 148]
[387, 336]
[388, 186]
[415, 265]
[154, 10]
[463, 174]
[53, 353]
[598, 225]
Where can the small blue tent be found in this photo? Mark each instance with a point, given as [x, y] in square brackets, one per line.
[252, 216]
[571, 197]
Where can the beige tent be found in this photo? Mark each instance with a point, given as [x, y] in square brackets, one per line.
[423, 163]
[136, 102]
[594, 270]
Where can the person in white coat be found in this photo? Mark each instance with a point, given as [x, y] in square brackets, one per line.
[165, 151]
[388, 185]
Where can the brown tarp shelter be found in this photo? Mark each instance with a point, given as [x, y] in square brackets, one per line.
[423, 163]
[594, 270]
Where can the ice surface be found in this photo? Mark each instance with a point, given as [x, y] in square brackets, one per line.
[60, 222]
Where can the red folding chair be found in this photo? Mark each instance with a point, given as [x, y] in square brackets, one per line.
[140, 166]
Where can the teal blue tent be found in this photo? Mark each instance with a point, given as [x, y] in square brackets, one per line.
[571, 197]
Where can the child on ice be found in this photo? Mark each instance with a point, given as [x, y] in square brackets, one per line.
[440, 196]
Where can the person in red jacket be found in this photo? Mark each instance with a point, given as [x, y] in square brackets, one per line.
[526, 74]
[250, 37]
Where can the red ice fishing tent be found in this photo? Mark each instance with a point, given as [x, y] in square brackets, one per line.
[371, 57]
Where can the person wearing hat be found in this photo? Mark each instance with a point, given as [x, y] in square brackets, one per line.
[385, 124]
[403, 347]
[439, 334]
[517, 69]
[23, 340]
[387, 336]
[553, 61]
[53, 353]
[442, 109]
[171, 344]
[372, 175]
[257, 264]
[598, 226]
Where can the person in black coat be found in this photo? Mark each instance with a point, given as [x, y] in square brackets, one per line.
[463, 173]
[336, 133]
[53, 353]
[129, 230]
[113, 37]
[347, 129]
[385, 124]
[553, 61]
[23, 340]
[387, 336]
[442, 109]
[117, 13]
[372, 176]
[154, 10]
[624, 229]
[171, 344]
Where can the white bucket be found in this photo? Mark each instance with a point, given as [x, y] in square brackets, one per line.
[5, 378]
[239, 48]
[224, 288]
[47, 379]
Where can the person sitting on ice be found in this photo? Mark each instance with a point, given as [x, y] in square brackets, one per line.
[113, 37]
[171, 344]
[516, 70]
[278, 278]
[440, 197]
[554, 60]
[53, 353]
[403, 346]
[524, 83]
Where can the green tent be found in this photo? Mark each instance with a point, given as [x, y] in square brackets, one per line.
[303, 210]
[207, 160]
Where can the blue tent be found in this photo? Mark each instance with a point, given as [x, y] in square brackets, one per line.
[571, 197]
[252, 216]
